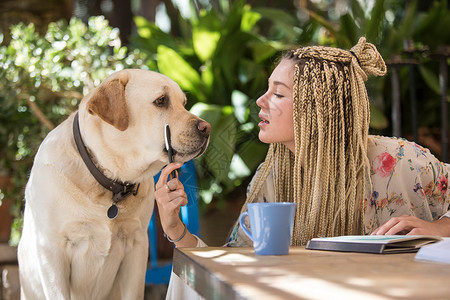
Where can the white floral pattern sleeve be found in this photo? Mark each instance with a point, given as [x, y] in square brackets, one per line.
[406, 180]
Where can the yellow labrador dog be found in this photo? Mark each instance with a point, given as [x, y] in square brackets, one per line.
[89, 197]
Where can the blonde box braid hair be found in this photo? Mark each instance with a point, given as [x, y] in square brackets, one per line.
[326, 175]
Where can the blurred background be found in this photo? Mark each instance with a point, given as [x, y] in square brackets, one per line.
[221, 53]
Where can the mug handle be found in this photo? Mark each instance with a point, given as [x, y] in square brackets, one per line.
[243, 226]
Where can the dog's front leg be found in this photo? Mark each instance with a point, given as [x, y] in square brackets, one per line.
[44, 268]
[131, 276]
[45, 276]
[55, 270]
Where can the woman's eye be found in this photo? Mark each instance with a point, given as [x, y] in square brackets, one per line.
[161, 101]
[278, 95]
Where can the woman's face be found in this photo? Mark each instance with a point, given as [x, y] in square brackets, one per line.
[277, 125]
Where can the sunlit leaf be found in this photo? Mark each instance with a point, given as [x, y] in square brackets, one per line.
[174, 66]
[249, 19]
[205, 42]
[151, 35]
[206, 34]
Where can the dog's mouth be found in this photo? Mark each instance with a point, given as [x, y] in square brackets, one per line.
[202, 148]
[185, 156]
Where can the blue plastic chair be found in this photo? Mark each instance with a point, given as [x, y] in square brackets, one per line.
[160, 273]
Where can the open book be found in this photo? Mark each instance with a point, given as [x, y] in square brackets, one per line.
[372, 243]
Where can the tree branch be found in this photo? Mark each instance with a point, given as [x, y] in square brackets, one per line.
[39, 114]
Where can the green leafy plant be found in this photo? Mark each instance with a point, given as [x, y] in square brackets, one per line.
[42, 80]
[222, 62]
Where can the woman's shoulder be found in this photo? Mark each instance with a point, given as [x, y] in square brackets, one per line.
[398, 147]
[403, 155]
[389, 140]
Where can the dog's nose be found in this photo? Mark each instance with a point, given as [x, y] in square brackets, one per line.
[204, 128]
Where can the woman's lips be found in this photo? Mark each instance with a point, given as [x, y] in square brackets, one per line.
[263, 121]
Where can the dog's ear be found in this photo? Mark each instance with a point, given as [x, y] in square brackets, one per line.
[109, 103]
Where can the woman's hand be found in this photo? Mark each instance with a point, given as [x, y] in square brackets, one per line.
[410, 225]
[170, 197]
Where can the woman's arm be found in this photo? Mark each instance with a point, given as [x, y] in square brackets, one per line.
[414, 226]
[407, 179]
[170, 196]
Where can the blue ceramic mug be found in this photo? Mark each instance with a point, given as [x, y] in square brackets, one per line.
[271, 226]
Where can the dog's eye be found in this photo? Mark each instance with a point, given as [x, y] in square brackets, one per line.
[161, 101]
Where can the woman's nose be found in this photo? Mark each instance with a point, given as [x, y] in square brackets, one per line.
[261, 100]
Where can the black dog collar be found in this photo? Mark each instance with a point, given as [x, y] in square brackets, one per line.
[120, 190]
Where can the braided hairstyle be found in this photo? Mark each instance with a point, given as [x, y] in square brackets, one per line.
[326, 176]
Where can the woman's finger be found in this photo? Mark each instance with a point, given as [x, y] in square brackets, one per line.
[171, 200]
[175, 194]
[385, 227]
[165, 172]
[179, 201]
[175, 184]
[399, 228]
[400, 225]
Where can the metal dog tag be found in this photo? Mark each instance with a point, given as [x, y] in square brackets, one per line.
[113, 211]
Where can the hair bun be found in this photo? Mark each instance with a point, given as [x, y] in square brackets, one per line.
[368, 58]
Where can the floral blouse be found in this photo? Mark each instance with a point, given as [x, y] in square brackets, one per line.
[406, 180]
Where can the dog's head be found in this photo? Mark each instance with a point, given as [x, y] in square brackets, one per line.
[127, 112]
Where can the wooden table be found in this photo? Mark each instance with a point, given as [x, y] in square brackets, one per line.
[237, 273]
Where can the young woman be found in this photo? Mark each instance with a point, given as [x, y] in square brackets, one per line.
[315, 115]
